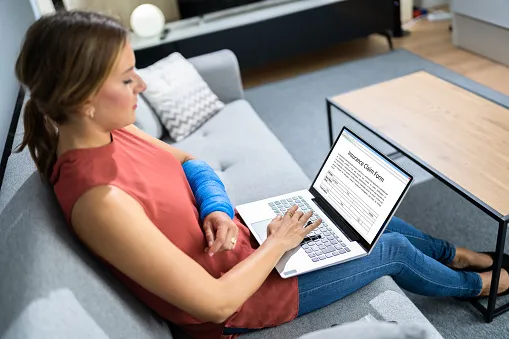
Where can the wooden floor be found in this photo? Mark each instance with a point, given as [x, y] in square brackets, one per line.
[431, 40]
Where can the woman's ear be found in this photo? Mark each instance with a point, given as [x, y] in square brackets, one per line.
[88, 110]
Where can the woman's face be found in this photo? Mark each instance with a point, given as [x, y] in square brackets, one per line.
[115, 103]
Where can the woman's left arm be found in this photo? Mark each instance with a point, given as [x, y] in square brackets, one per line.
[177, 153]
[210, 196]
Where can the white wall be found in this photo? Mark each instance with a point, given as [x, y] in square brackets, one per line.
[406, 10]
[15, 17]
[42, 7]
[431, 3]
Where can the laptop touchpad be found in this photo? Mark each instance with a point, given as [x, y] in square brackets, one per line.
[260, 228]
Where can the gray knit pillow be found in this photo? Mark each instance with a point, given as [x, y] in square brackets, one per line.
[179, 95]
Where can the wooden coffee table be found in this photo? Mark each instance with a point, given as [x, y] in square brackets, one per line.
[459, 137]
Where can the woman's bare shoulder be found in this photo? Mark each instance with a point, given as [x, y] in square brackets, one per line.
[101, 200]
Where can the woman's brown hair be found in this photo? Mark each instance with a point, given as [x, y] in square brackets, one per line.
[64, 60]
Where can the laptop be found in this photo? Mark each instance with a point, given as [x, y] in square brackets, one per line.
[355, 193]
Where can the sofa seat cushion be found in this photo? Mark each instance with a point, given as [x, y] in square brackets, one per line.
[250, 160]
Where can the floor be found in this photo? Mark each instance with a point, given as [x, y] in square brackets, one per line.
[431, 40]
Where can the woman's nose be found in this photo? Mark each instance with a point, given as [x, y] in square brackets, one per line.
[141, 85]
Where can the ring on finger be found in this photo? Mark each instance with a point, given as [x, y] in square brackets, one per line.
[290, 214]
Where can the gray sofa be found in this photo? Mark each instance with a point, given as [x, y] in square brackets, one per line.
[50, 287]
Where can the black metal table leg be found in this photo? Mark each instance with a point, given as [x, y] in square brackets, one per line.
[329, 122]
[388, 35]
[499, 253]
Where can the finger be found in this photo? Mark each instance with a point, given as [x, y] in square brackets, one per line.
[305, 217]
[298, 214]
[220, 239]
[209, 233]
[231, 235]
[311, 227]
[291, 211]
[236, 236]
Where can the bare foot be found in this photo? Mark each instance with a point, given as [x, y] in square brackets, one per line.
[503, 283]
[467, 258]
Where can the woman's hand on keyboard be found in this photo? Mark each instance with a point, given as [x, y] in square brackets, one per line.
[290, 229]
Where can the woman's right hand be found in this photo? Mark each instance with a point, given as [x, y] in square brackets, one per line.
[290, 228]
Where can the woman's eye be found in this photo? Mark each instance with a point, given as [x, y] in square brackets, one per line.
[127, 82]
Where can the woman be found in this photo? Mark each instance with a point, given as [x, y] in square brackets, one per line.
[161, 219]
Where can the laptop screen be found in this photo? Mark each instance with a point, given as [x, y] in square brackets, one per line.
[360, 184]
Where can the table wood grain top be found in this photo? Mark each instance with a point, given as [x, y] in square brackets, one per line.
[455, 131]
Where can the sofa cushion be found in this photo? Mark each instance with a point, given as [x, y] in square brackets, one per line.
[221, 72]
[147, 120]
[179, 95]
[250, 160]
[39, 257]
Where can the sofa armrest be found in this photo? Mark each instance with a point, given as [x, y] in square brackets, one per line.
[370, 330]
[220, 70]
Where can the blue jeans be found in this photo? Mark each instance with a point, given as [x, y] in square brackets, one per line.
[415, 260]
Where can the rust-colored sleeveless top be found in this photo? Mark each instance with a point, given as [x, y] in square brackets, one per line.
[157, 181]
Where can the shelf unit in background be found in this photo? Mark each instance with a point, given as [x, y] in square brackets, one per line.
[271, 33]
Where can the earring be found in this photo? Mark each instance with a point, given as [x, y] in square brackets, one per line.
[91, 114]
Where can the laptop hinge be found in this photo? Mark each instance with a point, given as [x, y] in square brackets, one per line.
[338, 219]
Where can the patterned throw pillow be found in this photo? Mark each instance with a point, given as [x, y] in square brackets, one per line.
[179, 96]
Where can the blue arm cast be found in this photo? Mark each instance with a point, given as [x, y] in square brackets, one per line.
[208, 190]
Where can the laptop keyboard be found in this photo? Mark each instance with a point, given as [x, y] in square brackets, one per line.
[322, 242]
